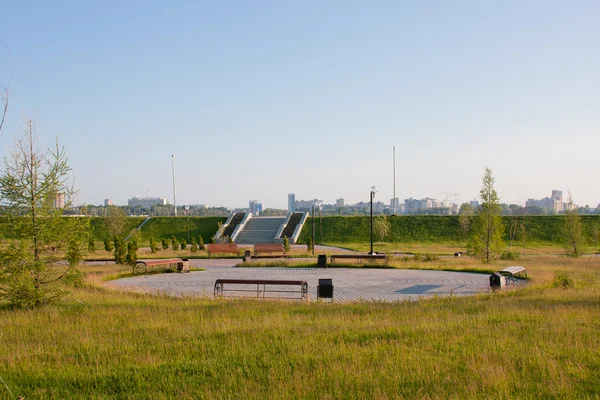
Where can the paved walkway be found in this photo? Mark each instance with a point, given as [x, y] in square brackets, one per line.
[351, 284]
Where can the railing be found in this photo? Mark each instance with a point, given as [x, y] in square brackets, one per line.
[240, 227]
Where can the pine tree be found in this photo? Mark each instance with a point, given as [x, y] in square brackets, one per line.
[164, 243]
[194, 247]
[108, 245]
[153, 246]
[36, 189]
[201, 245]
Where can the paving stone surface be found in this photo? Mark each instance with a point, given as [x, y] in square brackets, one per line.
[350, 284]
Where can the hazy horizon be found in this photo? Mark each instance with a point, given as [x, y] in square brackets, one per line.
[258, 100]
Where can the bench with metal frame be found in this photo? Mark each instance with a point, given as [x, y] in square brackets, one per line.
[269, 250]
[359, 257]
[178, 264]
[263, 286]
[512, 274]
[222, 248]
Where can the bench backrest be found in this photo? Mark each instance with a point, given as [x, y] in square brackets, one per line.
[268, 248]
[222, 248]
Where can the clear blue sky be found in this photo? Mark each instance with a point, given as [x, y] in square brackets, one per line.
[260, 99]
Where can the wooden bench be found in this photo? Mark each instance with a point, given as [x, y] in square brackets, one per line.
[263, 286]
[222, 248]
[179, 264]
[104, 260]
[359, 257]
[271, 249]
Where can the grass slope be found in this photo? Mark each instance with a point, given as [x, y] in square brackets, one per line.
[433, 228]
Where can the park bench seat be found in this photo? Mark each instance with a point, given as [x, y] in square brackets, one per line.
[359, 257]
[222, 248]
[262, 287]
[269, 250]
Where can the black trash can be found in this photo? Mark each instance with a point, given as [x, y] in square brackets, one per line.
[497, 281]
[322, 261]
[247, 256]
[325, 289]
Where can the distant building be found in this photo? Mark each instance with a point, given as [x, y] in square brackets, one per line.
[339, 203]
[396, 202]
[306, 205]
[59, 201]
[553, 203]
[147, 202]
[474, 203]
[291, 202]
[108, 202]
[254, 207]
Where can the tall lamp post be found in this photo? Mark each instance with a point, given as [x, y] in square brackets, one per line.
[320, 205]
[313, 229]
[372, 194]
[173, 169]
[187, 213]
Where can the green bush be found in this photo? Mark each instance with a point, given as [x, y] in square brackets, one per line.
[510, 255]
[153, 246]
[108, 245]
[201, 245]
[430, 257]
[562, 280]
[165, 243]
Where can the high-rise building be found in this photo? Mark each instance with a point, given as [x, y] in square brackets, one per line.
[395, 200]
[291, 202]
[59, 201]
[254, 207]
[339, 203]
[107, 202]
[558, 200]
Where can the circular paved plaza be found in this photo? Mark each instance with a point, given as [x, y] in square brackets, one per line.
[350, 284]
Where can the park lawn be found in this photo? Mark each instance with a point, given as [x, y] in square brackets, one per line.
[539, 248]
[537, 342]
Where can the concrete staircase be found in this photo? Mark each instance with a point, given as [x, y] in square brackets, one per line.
[260, 230]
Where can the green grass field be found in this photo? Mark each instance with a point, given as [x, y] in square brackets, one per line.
[537, 342]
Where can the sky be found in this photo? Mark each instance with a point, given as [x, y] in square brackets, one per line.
[258, 99]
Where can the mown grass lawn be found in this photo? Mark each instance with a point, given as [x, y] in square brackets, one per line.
[538, 342]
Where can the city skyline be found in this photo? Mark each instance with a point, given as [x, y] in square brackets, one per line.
[260, 100]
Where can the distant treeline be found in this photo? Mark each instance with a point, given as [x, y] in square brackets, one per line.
[430, 228]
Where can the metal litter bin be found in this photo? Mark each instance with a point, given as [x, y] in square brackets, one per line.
[325, 289]
[183, 266]
[322, 261]
[497, 281]
[247, 256]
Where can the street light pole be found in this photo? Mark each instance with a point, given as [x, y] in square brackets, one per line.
[173, 169]
[313, 229]
[187, 212]
[394, 180]
[372, 193]
[320, 223]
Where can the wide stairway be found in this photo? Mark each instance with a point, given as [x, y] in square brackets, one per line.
[260, 230]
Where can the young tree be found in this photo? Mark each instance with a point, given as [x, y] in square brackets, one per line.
[309, 244]
[194, 246]
[91, 244]
[131, 256]
[108, 245]
[182, 244]
[174, 243]
[516, 225]
[120, 251]
[4, 92]
[35, 189]
[465, 215]
[382, 226]
[573, 232]
[485, 242]
[114, 221]
[153, 246]
[596, 236]
[164, 243]
[286, 244]
[201, 245]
